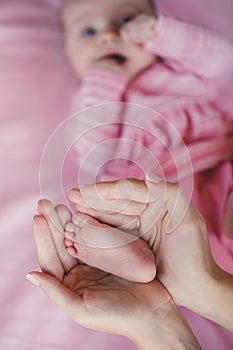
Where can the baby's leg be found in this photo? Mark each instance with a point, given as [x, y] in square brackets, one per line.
[109, 249]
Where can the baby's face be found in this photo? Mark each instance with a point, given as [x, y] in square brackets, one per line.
[93, 33]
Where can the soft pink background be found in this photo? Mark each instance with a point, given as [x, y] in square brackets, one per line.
[36, 85]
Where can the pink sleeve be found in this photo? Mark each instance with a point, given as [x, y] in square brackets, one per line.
[192, 48]
[99, 86]
[93, 130]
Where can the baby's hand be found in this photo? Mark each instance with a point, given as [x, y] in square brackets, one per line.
[139, 30]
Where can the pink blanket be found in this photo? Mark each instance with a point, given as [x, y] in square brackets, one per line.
[36, 86]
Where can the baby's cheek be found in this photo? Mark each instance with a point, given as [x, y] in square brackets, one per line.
[78, 62]
[151, 58]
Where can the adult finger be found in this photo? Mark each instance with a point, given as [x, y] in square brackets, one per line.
[121, 220]
[122, 206]
[65, 216]
[46, 209]
[126, 189]
[173, 197]
[46, 251]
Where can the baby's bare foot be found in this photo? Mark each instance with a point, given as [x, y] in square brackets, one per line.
[108, 248]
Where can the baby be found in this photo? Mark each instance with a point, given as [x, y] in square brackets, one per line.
[123, 52]
[99, 46]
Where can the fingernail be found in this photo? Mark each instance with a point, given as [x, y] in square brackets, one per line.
[37, 217]
[71, 189]
[33, 280]
[153, 178]
[34, 218]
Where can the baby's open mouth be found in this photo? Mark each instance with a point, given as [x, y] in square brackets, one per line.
[118, 58]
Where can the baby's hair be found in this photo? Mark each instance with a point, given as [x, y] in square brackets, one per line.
[153, 5]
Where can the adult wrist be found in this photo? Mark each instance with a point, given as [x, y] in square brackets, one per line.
[216, 301]
[168, 330]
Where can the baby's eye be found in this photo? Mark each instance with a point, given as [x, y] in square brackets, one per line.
[88, 32]
[125, 20]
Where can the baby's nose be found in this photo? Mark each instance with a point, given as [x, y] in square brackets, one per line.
[108, 36]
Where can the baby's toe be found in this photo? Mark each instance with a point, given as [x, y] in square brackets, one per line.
[72, 251]
[68, 242]
[70, 236]
[71, 227]
[71, 231]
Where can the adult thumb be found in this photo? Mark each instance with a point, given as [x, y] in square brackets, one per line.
[64, 298]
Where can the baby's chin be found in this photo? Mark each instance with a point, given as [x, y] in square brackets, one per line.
[144, 67]
[123, 63]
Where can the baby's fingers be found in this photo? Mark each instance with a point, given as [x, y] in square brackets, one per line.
[129, 34]
[139, 29]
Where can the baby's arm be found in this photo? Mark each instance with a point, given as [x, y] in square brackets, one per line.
[100, 86]
[197, 49]
[184, 45]
[96, 124]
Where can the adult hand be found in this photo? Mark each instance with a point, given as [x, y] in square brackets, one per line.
[98, 300]
[174, 230]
